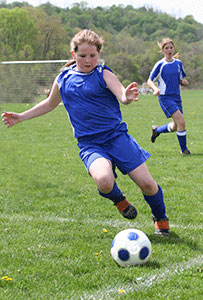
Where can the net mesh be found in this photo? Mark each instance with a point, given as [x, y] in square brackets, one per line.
[24, 81]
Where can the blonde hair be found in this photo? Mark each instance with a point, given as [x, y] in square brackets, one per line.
[84, 36]
[163, 43]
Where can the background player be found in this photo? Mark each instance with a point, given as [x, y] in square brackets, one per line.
[170, 74]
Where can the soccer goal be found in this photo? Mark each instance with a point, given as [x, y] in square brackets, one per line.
[25, 81]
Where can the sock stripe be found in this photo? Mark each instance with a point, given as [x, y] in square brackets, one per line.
[169, 127]
[181, 133]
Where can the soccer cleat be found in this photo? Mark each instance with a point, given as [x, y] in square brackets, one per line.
[161, 226]
[154, 134]
[185, 152]
[126, 209]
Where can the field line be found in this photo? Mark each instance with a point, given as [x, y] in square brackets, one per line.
[112, 223]
[145, 282]
[142, 283]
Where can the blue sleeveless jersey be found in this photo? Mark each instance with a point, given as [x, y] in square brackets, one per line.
[168, 75]
[93, 109]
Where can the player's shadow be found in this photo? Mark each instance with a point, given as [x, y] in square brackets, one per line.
[173, 238]
[151, 265]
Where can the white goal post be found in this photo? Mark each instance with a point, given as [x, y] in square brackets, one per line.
[25, 81]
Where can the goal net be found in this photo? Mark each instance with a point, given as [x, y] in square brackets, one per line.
[25, 81]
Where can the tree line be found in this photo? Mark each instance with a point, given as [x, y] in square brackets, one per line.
[130, 36]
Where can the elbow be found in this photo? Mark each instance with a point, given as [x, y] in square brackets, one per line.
[51, 106]
[149, 82]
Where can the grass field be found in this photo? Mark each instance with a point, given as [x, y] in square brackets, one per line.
[53, 245]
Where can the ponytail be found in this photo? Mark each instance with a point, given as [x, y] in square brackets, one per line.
[177, 55]
[68, 64]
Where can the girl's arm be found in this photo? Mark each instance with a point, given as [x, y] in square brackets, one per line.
[45, 106]
[156, 90]
[125, 96]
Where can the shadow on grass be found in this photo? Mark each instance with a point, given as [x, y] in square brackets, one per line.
[151, 265]
[196, 154]
[173, 238]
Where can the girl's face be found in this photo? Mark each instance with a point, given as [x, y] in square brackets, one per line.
[86, 57]
[168, 51]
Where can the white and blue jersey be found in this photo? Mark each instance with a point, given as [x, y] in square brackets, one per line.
[168, 75]
[93, 109]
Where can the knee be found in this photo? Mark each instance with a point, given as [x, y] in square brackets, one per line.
[105, 183]
[149, 188]
[182, 124]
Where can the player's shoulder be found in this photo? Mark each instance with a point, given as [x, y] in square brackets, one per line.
[67, 70]
[177, 60]
[101, 67]
[156, 68]
[159, 63]
[63, 75]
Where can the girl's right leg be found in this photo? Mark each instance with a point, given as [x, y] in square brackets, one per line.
[102, 173]
[157, 130]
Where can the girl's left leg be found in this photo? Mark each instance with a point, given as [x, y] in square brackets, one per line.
[179, 120]
[102, 173]
[153, 195]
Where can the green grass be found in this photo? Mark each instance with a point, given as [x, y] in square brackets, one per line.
[52, 219]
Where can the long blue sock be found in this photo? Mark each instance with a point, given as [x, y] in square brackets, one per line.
[181, 135]
[115, 195]
[164, 128]
[156, 203]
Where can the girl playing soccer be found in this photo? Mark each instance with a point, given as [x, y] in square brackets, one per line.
[170, 74]
[89, 92]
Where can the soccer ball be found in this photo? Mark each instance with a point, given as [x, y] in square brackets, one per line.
[131, 247]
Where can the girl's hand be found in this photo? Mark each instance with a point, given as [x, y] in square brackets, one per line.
[156, 92]
[184, 82]
[132, 92]
[10, 118]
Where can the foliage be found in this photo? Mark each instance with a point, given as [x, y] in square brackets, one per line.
[45, 32]
[52, 38]
[17, 34]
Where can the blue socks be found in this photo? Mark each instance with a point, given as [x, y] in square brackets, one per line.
[156, 203]
[115, 195]
[181, 135]
[164, 129]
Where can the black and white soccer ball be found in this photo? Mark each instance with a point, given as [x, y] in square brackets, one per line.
[131, 247]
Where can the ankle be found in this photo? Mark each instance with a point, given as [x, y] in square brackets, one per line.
[122, 205]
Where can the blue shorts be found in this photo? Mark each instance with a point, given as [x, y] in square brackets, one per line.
[170, 104]
[123, 151]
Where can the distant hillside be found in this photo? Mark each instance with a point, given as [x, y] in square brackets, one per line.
[44, 32]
